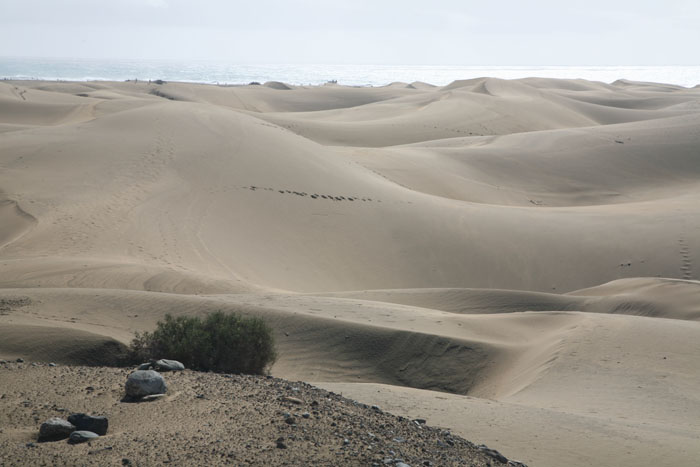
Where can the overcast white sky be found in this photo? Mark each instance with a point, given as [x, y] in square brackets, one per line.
[409, 32]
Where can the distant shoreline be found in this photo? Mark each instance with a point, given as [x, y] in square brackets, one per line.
[350, 75]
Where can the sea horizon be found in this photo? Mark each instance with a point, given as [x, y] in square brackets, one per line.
[226, 73]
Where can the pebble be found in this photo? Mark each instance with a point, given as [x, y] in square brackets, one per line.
[55, 429]
[493, 453]
[168, 365]
[152, 397]
[82, 436]
[292, 400]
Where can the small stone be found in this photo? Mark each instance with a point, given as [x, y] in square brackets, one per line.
[52, 364]
[306, 415]
[402, 464]
[168, 365]
[151, 397]
[145, 366]
[125, 461]
[493, 453]
[142, 383]
[346, 442]
[82, 436]
[292, 400]
[91, 423]
[420, 421]
[55, 429]
[31, 445]
[290, 420]
[20, 360]
[280, 443]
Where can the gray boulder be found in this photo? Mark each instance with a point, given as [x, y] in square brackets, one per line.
[168, 365]
[144, 383]
[55, 429]
[91, 423]
[81, 436]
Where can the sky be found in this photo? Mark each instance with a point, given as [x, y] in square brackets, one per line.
[390, 32]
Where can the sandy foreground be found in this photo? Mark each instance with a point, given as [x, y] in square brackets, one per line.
[513, 261]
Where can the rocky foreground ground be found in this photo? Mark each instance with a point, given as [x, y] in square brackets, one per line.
[209, 418]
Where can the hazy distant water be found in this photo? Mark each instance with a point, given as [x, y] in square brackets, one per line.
[356, 75]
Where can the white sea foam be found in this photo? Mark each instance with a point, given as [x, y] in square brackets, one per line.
[354, 75]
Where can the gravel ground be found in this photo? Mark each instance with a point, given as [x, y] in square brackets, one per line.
[209, 418]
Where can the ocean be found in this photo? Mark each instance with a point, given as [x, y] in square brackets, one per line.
[352, 75]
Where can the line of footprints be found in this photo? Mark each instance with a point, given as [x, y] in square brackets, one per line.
[686, 267]
[313, 195]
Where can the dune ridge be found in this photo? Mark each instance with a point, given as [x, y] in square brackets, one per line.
[516, 250]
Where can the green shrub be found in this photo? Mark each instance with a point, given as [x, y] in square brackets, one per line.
[221, 342]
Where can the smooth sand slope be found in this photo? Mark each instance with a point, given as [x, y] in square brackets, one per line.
[514, 260]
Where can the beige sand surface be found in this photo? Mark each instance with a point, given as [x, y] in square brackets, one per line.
[512, 260]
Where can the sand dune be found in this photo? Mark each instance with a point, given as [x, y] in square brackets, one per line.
[504, 258]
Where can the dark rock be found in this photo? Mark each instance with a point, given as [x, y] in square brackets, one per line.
[82, 436]
[96, 424]
[168, 365]
[142, 383]
[20, 360]
[493, 453]
[145, 366]
[290, 420]
[52, 364]
[280, 443]
[55, 429]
